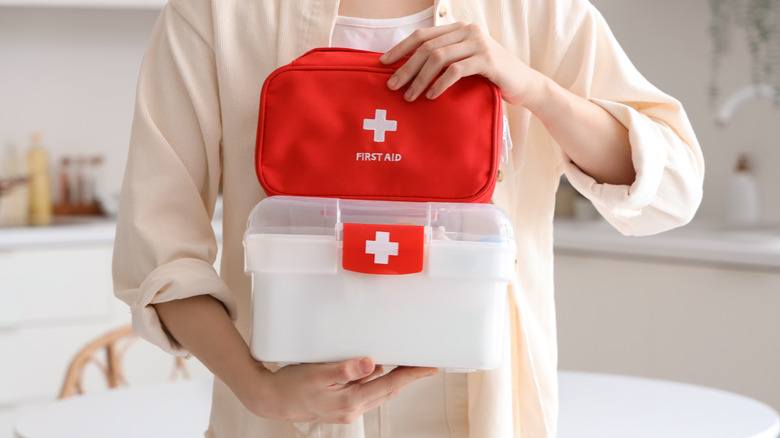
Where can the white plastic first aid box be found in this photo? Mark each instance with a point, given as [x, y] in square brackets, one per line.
[405, 283]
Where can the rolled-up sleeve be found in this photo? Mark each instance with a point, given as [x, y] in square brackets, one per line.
[665, 152]
[165, 245]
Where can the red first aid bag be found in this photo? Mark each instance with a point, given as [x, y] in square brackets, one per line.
[330, 127]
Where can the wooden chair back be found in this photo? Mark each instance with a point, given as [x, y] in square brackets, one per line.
[106, 354]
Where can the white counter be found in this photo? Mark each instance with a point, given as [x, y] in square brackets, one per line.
[64, 231]
[67, 231]
[757, 248]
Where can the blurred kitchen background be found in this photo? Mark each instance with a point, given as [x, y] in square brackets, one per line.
[698, 305]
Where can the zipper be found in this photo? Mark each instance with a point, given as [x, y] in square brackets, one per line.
[507, 142]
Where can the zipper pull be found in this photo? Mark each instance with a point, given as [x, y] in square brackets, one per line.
[507, 142]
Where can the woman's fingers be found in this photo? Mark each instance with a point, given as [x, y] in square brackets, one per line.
[384, 388]
[415, 40]
[359, 397]
[453, 73]
[426, 64]
[332, 393]
[449, 64]
[378, 371]
[438, 47]
[457, 50]
[429, 59]
[345, 372]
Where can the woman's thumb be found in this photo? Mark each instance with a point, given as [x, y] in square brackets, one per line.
[351, 370]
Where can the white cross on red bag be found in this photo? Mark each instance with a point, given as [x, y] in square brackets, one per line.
[379, 124]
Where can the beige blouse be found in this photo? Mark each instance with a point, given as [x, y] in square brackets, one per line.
[194, 131]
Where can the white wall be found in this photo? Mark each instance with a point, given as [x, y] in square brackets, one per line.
[71, 73]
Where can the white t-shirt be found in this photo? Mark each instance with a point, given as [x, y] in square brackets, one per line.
[407, 415]
[377, 34]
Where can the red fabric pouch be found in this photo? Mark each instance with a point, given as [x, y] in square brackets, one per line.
[329, 127]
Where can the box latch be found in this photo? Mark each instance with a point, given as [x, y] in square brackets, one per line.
[383, 249]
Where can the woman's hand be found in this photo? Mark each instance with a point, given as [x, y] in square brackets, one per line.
[593, 139]
[459, 50]
[325, 393]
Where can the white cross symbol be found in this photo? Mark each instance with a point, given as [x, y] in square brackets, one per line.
[382, 248]
[379, 124]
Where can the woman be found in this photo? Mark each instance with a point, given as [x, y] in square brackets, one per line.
[574, 102]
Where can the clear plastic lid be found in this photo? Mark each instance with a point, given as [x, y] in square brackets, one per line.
[324, 216]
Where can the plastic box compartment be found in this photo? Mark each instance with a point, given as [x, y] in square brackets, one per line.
[405, 283]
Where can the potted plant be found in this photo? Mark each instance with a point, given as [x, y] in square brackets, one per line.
[759, 21]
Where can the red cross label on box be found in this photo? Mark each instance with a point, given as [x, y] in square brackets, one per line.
[383, 249]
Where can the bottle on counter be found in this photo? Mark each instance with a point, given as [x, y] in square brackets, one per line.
[41, 205]
[14, 201]
[63, 181]
[78, 181]
[91, 179]
[743, 207]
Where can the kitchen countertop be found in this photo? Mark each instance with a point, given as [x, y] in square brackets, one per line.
[78, 230]
[67, 231]
[757, 248]
[63, 231]
[752, 248]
